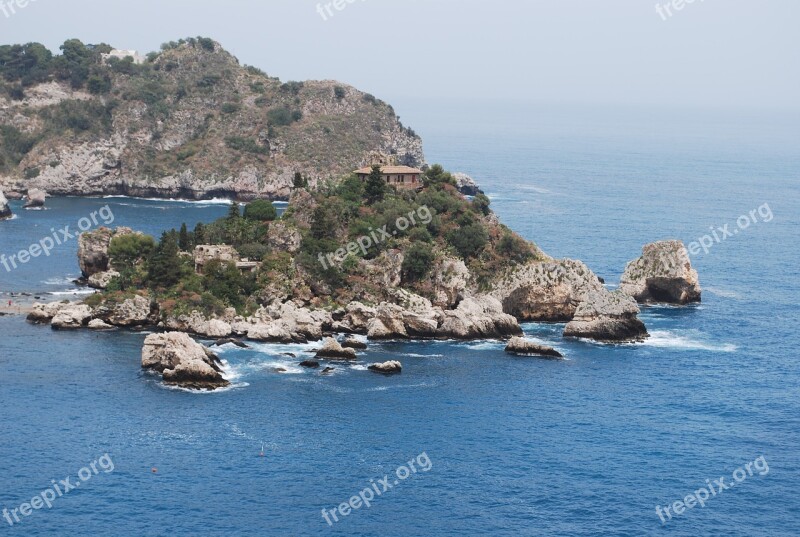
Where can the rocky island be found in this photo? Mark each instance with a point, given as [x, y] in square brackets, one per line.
[397, 250]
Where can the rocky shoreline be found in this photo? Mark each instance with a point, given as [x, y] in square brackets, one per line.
[542, 291]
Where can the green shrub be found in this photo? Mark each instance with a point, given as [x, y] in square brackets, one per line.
[260, 210]
[253, 251]
[206, 43]
[468, 241]
[231, 108]
[31, 173]
[339, 92]
[417, 262]
[247, 145]
[282, 116]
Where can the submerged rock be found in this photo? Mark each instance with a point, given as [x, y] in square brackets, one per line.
[36, 199]
[5, 210]
[663, 274]
[333, 350]
[391, 367]
[232, 341]
[522, 347]
[182, 361]
[608, 317]
[328, 370]
[310, 364]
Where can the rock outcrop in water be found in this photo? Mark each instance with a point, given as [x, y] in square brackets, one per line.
[607, 317]
[331, 349]
[392, 367]
[5, 210]
[522, 347]
[663, 274]
[35, 198]
[182, 361]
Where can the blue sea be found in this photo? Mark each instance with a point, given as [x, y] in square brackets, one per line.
[588, 446]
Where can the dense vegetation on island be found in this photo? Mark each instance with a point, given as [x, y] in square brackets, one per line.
[325, 221]
[189, 121]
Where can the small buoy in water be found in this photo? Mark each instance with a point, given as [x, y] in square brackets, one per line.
[154, 470]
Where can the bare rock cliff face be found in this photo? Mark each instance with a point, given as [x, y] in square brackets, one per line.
[663, 274]
[93, 249]
[547, 291]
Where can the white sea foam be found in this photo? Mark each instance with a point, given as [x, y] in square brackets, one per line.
[212, 201]
[59, 281]
[72, 292]
[665, 339]
[722, 292]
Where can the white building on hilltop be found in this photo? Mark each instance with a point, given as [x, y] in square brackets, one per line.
[122, 54]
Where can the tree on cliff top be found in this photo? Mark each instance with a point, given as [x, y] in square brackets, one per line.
[376, 186]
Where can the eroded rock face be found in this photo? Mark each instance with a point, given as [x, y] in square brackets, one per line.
[607, 317]
[134, 311]
[71, 317]
[93, 249]
[5, 210]
[450, 280]
[478, 318]
[466, 184]
[44, 313]
[663, 274]
[99, 324]
[283, 238]
[392, 367]
[198, 324]
[547, 291]
[522, 347]
[35, 198]
[182, 361]
[101, 280]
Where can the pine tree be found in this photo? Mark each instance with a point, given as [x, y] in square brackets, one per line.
[376, 185]
[164, 268]
[300, 181]
[199, 234]
[233, 211]
[183, 238]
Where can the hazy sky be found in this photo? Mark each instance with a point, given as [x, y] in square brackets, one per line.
[711, 53]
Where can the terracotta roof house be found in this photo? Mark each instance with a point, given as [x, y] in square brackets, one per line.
[399, 176]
